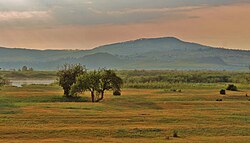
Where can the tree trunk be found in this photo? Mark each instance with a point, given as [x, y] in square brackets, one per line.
[93, 96]
[102, 96]
[66, 92]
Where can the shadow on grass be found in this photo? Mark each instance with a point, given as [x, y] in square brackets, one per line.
[42, 99]
[71, 99]
[11, 101]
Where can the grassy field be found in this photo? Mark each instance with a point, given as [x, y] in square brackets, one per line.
[39, 113]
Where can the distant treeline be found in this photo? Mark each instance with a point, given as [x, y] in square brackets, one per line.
[28, 74]
[153, 78]
[174, 76]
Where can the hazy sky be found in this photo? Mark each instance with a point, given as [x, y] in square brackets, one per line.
[85, 24]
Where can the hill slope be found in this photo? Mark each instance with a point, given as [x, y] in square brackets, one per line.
[154, 53]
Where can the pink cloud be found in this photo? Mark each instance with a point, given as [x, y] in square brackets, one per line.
[17, 15]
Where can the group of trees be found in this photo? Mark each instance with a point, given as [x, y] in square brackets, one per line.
[75, 79]
[25, 68]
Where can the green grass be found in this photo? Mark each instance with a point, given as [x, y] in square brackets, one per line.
[39, 113]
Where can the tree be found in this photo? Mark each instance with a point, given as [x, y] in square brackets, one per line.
[24, 68]
[87, 82]
[97, 82]
[109, 80]
[67, 76]
[31, 69]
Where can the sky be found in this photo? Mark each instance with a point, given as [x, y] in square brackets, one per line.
[86, 24]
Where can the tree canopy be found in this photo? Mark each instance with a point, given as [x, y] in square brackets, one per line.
[97, 82]
[109, 80]
[67, 76]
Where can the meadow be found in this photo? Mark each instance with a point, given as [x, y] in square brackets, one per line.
[39, 113]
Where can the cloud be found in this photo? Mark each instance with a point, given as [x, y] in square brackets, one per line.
[85, 24]
[94, 12]
[24, 15]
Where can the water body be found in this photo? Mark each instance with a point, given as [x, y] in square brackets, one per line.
[20, 83]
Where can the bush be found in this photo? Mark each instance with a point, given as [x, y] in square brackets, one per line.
[117, 93]
[175, 134]
[175, 90]
[223, 92]
[232, 87]
[4, 81]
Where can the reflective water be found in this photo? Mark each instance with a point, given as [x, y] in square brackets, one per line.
[20, 83]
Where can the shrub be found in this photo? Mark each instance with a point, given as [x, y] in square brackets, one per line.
[117, 93]
[4, 81]
[223, 92]
[175, 134]
[232, 87]
[174, 90]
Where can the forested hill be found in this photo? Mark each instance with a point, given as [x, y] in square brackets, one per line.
[153, 53]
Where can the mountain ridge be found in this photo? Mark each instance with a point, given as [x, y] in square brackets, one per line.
[139, 39]
[143, 53]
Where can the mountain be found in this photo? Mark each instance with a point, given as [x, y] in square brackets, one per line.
[151, 53]
[142, 46]
[101, 60]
